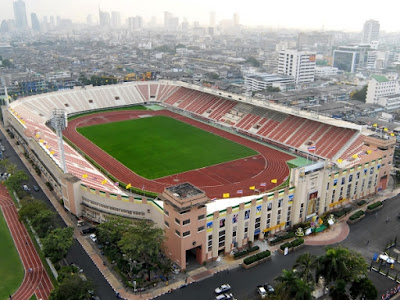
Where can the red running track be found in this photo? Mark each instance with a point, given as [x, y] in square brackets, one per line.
[37, 280]
[215, 180]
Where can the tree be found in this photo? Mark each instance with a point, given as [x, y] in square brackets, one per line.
[305, 264]
[287, 281]
[72, 287]
[291, 287]
[360, 95]
[30, 208]
[57, 243]
[43, 222]
[15, 180]
[253, 61]
[338, 290]
[142, 242]
[111, 232]
[363, 288]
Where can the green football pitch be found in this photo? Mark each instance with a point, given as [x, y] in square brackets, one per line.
[11, 271]
[155, 147]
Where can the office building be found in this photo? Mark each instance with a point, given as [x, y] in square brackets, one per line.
[115, 19]
[105, 19]
[370, 32]
[21, 21]
[380, 86]
[349, 58]
[298, 64]
[35, 22]
[212, 19]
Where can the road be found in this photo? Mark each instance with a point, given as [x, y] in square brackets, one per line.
[76, 254]
[244, 282]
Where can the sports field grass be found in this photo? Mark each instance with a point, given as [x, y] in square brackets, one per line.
[155, 147]
[11, 271]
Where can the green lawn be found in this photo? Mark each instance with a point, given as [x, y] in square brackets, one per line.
[155, 147]
[11, 270]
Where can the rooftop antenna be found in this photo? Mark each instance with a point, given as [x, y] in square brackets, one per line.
[59, 122]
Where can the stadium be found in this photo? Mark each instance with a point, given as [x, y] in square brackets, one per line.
[215, 170]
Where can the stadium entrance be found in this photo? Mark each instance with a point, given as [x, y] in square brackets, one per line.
[194, 257]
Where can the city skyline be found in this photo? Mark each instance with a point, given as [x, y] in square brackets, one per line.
[306, 15]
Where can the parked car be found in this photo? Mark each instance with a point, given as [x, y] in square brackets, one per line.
[36, 188]
[224, 297]
[269, 288]
[80, 223]
[261, 291]
[93, 237]
[26, 188]
[223, 288]
[88, 230]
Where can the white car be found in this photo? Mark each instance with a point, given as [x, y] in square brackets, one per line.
[223, 288]
[93, 237]
[225, 297]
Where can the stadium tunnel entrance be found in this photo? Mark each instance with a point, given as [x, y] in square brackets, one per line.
[194, 257]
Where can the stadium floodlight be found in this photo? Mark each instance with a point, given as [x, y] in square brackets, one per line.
[59, 122]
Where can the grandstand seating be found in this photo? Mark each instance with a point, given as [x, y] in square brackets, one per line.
[277, 127]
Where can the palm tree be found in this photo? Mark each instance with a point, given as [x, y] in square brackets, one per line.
[305, 264]
[287, 282]
[332, 265]
[291, 287]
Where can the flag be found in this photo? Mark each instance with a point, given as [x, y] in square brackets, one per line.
[340, 160]
[355, 156]
[104, 181]
[116, 183]
[252, 188]
[51, 152]
[263, 184]
[84, 176]
[312, 148]
[213, 199]
[392, 134]
[369, 151]
[128, 186]
[375, 125]
[284, 179]
[239, 192]
[385, 129]
[40, 141]
[225, 195]
[37, 135]
[274, 180]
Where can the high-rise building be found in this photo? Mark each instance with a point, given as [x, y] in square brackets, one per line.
[298, 64]
[21, 21]
[89, 20]
[212, 19]
[236, 21]
[115, 19]
[370, 32]
[135, 22]
[171, 23]
[35, 22]
[104, 18]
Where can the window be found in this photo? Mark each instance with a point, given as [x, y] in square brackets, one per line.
[327, 186]
[116, 98]
[166, 212]
[177, 233]
[343, 180]
[269, 207]
[210, 237]
[66, 104]
[201, 217]
[358, 175]
[166, 224]
[350, 177]
[90, 101]
[280, 201]
[177, 221]
[201, 228]
[186, 233]
[222, 233]
[185, 222]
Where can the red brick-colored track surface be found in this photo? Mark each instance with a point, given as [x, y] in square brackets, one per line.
[36, 281]
[215, 180]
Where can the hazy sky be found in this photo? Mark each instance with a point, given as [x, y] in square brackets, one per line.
[347, 15]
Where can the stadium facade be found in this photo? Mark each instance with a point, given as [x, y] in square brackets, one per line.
[349, 162]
